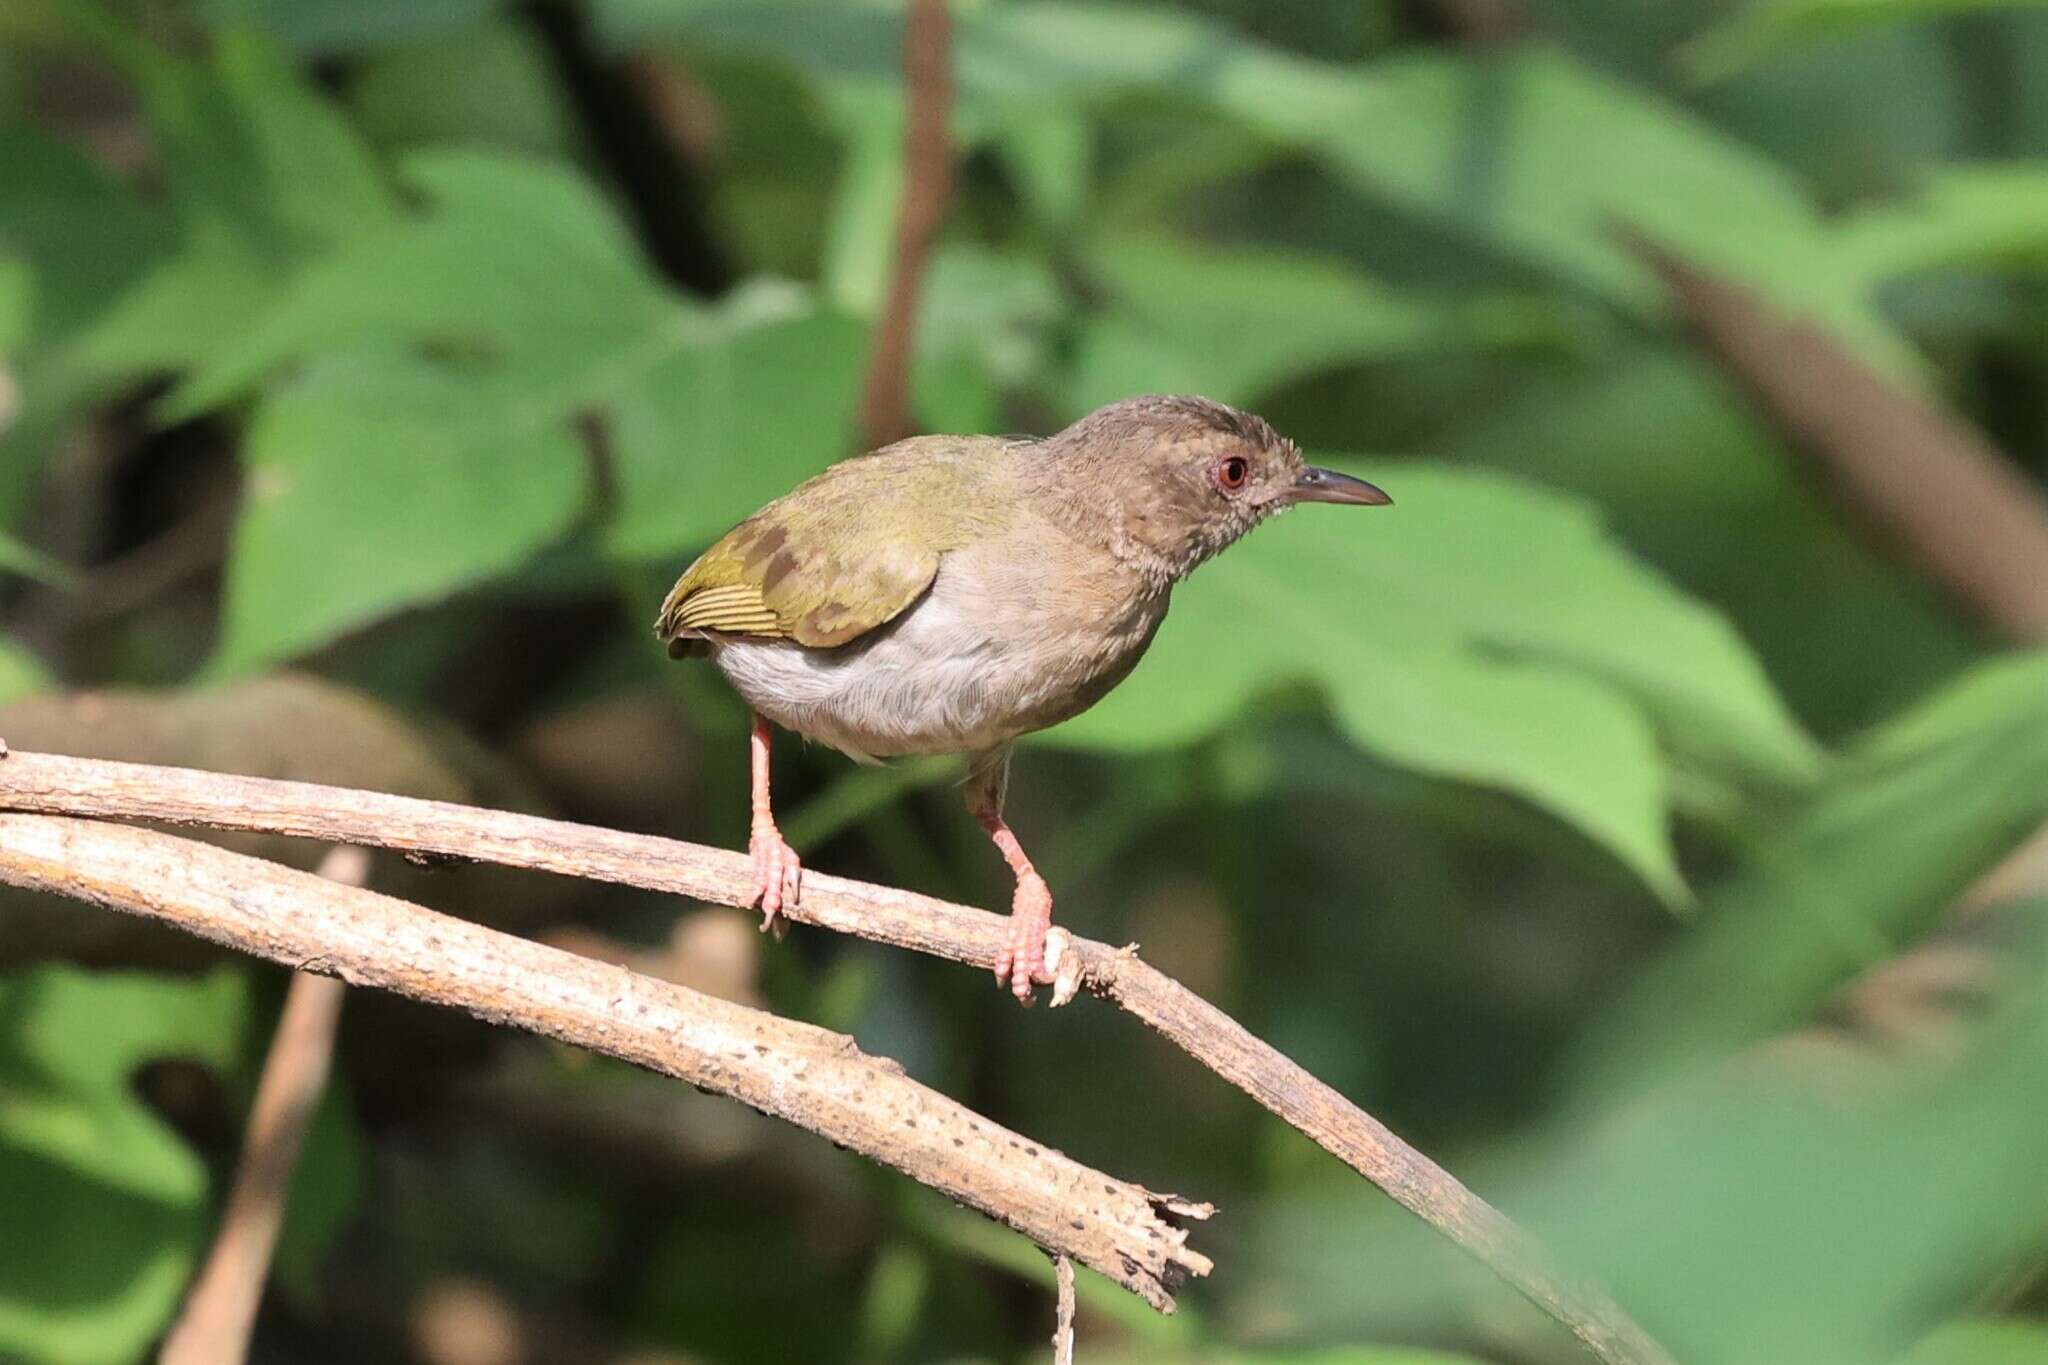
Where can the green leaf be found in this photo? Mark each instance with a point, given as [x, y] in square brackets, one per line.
[256, 171]
[1481, 630]
[379, 482]
[721, 427]
[1982, 1341]
[1527, 152]
[1769, 28]
[1540, 158]
[986, 328]
[429, 446]
[512, 265]
[77, 236]
[120, 1200]
[1990, 215]
[21, 673]
[334, 27]
[1915, 813]
[488, 83]
[1235, 323]
[246, 135]
[1889, 1183]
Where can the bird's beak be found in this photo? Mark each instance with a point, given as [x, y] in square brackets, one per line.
[1327, 485]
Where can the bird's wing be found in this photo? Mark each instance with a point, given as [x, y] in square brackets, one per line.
[842, 554]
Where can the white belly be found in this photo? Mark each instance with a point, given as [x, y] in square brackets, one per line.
[932, 682]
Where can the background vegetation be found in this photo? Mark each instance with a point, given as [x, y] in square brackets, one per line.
[1601, 816]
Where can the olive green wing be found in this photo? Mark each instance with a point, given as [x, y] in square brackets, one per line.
[842, 554]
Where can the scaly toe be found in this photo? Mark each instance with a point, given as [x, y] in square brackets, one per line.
[777, 877]
[1022, 964]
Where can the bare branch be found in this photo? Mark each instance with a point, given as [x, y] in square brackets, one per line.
[1063, 1324]
[1943, 496]
[220, 1312]
[927, 188]
[55, 784]
[804, 1075]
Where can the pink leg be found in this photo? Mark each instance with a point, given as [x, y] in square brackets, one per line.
[1021, 964]
[778, 876]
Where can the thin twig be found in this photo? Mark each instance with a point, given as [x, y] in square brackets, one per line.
[927, 188]
[804, 1075]
[187, 549]
[220, 1312]
[1063, 1326]
[55, 784]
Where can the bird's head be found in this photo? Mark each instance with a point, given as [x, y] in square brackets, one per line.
[1173, 480]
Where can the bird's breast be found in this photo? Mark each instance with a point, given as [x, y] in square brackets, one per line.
[994, 650]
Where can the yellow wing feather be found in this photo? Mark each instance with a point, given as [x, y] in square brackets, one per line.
[840, 555]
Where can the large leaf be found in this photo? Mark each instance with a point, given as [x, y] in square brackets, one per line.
[331, 27]
[1541, 159]
[722, 427]
[430, 448]
[1235, 323]
[1481, 630]
[377, 482]
[256, 170]
[429, 444]
[1986, 215]
[1887, 1192]
[1982, 1341]
[1767, 28]
[987, 326]
[513, 268]
[118, 1200]
[1919, 810]
[1528, 152]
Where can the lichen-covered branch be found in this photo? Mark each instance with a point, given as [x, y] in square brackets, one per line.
[793, 1071]
[55, 784]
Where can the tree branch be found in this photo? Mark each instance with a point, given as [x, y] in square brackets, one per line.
[220, 1312]
[1944, 498]
[927, 187]
[55, 784]
[793, 1071]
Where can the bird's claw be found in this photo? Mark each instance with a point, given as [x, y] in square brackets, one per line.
[778, 876]
[1021, 963]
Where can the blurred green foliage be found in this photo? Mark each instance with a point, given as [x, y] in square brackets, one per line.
[1597, 815]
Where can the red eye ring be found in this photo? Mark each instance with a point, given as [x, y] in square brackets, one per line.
[1231, 472]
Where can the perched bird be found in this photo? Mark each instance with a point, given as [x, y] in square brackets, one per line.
[947, 594]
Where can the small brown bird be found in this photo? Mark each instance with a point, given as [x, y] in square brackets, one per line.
[947, 594]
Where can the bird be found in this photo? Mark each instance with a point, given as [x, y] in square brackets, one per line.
[950, 594]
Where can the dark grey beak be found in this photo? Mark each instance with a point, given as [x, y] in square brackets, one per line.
[1327, 485]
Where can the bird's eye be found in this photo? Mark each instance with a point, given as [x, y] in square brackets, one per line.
[1231, 472]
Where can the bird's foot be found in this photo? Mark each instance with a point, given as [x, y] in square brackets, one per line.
[1021, 964]
[778, 876]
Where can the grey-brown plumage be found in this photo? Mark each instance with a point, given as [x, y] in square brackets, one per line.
[948, 594]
